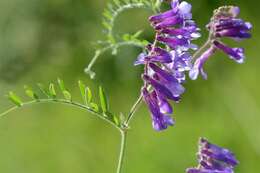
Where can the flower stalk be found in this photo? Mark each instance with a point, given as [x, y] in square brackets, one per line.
[122, 150]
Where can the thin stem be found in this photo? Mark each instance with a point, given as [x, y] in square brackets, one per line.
[99, 52]
[122, 151]
[61, 101]
[133, 110]
[201, 49]
[204, 46]
[140, 98]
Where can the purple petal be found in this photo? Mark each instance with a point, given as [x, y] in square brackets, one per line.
[235, 11]
[168, 22]
[159, 17]
[234, 33]
[236, 54]
[217, 153]
[160, 88]
[140, 59]
[198, 65]
[232, 23]
[165, 106]
[173, 42]
[160, 121]
[174, 4]
[169, 80]
[185, 8]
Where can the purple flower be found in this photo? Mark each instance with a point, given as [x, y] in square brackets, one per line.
[230, 27]
[165, 66]
[213, 159]
[225, 23]
[159, 55]
[236, 54]
[211, 154]
[168, 80]
[198, 65]
[158, 107]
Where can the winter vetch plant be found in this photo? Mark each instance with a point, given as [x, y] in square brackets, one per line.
[167, 63]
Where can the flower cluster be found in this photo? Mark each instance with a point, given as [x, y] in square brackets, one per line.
[224, 24]
[213, 159]
[165, 65]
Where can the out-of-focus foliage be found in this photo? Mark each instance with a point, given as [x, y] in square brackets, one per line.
[43, 40]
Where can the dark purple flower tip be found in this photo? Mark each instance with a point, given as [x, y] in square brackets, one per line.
[159, 52]
[162, 73]
[236, 54]
[233, 24]
[160, 120]
[173, 43]
[198, 65]
[216, 153]
[162, 16]
[168, 80]
[180, 10]
[159, 88]
[143, 59]
[160, 59]
[175, 20]
[233, 33]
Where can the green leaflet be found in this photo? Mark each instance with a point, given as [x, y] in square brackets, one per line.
[103, 100]
[85, 93]
[64, 91]
[89, 95]
[95, 107]
[101, 109]
[30, 93]
[61, 84]
[82, 88]
[15, 99]
[44, 90]
[52, 90]
[67, 95]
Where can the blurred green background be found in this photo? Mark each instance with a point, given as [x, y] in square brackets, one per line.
[41, 40]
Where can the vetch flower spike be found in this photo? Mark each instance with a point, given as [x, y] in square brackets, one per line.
[165, 65]
[224, 24]
[213, 159]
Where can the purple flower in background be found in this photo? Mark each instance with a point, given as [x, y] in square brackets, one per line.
[213, 159]
[224, 24]
[165, 65]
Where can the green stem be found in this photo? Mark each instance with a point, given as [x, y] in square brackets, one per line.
[61, 101]
[133, 110]
[204, 46]
[122, 151]
[99, 52]
[201, 50]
